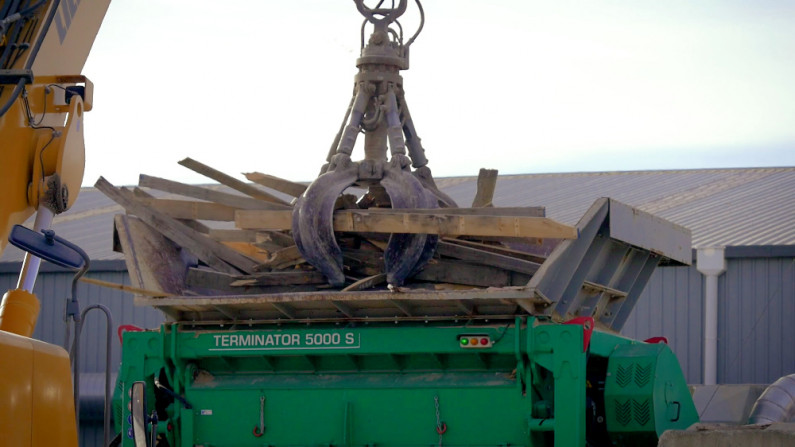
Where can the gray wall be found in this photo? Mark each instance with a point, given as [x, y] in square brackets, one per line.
[756, 318]
[671, 306]
[53, 288]
[757, 321]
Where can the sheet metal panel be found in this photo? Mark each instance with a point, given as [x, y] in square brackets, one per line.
[653, 233]
[671, 305]
[756, 314]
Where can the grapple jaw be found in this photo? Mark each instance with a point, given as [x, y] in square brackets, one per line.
[406, 254]
[313, 224]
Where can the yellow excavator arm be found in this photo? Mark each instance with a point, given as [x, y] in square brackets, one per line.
[43, 47]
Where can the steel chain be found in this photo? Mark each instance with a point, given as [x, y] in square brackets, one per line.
[438, 420]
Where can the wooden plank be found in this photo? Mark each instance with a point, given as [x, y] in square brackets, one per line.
[461, 272]
[519, 211]
[230, 181]
[363, 262]
[153, 261]
[487, 183]
[204, 279]
[226, 235]
[197, 192]
[248, 249]
[400, 221]
[276, 183]
[194, 224]
[124, 288]
[281, 279]
[487, 258]
[213, 253]
[497, 249]
[283, 258]
[450, 225]
[191, 209]
[264, 220]
[366, 283]
[274, 237]
[197, 278]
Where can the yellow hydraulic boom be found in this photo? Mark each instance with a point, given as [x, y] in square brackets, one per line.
[43, 47]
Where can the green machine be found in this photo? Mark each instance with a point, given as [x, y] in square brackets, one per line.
[538, 365]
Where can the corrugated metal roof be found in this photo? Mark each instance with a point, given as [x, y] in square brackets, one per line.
[722, 207]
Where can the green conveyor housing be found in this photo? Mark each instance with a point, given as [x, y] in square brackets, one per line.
[531, 366]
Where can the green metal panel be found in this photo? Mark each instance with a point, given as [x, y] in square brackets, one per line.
[525, 383]
[646, 394]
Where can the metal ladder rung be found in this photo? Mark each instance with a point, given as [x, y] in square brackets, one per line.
[615, 293]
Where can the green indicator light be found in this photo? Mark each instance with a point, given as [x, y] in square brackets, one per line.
[464, 341]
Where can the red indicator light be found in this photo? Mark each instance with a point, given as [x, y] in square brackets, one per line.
[474, 341]
[464, 341]
[484, 341]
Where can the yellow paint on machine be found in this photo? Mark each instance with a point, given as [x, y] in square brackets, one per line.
[35, 394]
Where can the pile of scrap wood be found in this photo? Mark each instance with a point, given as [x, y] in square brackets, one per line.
[196, 240]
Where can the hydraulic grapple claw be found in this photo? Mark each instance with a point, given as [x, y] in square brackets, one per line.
[406, 254]
[378, 110]
[313, 226]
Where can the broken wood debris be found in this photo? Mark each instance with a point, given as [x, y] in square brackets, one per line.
[224, 243]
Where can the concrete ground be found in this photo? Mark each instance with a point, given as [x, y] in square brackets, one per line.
[724, 411]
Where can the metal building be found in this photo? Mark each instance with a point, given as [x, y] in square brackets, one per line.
[743, 219]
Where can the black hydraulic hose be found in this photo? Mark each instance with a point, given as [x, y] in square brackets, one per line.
[47, 22]
[33, 53]
[10, 40]
[166, 390]
[32, 8]
[422, 24]
[14, 95]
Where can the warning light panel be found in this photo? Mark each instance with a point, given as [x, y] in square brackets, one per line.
[474, 341]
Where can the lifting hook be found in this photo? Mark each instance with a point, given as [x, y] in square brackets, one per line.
[260, 429]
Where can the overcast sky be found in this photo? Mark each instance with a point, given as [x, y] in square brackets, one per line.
[519, 86]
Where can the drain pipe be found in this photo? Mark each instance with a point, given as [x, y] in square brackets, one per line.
[711, 263]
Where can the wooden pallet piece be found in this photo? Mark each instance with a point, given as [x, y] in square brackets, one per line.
[276, 183]
[201, 193]
[213, 253]
[486, 185]
[230, 181]
[405, 221]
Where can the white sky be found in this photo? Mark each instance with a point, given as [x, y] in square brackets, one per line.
[522, 86]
